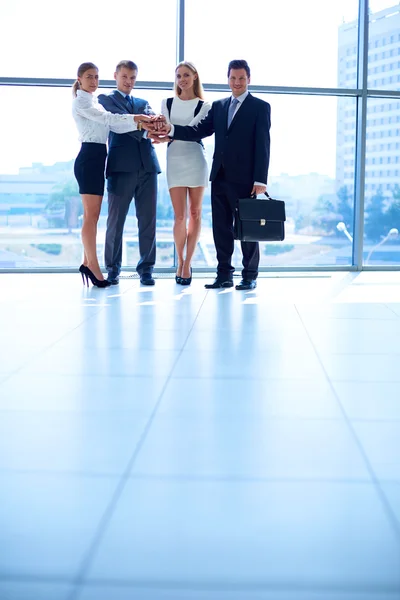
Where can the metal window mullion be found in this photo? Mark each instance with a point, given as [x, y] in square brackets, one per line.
[361, 135]
[180, 31]
[180, 53]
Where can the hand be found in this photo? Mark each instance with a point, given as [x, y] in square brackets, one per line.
[258, 189]
[159, 139]
[159, 127]
[149, 118]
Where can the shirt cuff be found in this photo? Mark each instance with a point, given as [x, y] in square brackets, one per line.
[259, 183]
[171, 133]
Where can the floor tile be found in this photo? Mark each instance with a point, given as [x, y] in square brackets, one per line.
[369, 400]
[250, 534]
[129, 593]
[381, 444]
[395, 307]
[84, 442]
[235, 447]
[110, 362]
[32, 590]
[392, 493]
[249, 483]
[80, 393]
[358, 367]
[128, 337]
[227, 319]
[352, 336]
[47, 522]
[12, 359]
[278, 339]
[250, 364]
[348, 310]
[249, 399]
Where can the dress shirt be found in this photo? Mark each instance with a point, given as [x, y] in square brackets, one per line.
[240, 100]
[123, 93]
[94, 122]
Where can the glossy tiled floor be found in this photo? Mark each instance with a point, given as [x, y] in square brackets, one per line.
[172, 443]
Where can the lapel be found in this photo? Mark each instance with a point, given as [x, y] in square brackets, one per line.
[242, 110]
[225, 108]
[121, 102]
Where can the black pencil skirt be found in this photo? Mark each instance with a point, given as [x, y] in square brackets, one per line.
[89, 168]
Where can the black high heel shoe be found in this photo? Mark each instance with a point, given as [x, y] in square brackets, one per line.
[82, 271]
[178, 279]
[101, 283]
[187, 280]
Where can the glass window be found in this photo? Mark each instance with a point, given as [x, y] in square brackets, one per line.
[284, 53]
[58, 38]
[40, 207]
[382, 204]
[307, 170]
[389, 27]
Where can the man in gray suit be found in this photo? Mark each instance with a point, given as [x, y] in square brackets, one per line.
[132, 169]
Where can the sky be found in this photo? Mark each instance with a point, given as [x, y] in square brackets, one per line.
[287, 43]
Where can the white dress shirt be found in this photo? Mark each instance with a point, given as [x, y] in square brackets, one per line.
[94, 122]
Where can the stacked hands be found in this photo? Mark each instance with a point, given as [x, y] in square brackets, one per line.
[156, 126]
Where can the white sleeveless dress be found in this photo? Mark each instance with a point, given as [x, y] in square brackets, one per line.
[186, 161]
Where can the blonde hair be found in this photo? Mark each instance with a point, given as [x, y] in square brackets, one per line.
[197, 87]
[81, 70]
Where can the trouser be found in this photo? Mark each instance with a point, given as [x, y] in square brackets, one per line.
[224, 196]
[122, 187]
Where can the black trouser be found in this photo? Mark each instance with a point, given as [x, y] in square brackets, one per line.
[224, 196]
[121, 188]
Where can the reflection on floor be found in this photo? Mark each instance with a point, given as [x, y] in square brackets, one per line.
[173, 443]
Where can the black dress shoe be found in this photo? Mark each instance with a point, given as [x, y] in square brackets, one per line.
[147, 279]
[219, 282]
[113, 280]
[247, 284]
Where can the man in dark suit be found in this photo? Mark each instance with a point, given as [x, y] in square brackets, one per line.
[132, 169]
[241, 125]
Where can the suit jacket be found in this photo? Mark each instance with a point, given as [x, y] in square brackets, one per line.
[128, 152]
[243, 149]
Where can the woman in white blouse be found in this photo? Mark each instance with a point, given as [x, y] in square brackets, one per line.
[187, 170]
[94, 124]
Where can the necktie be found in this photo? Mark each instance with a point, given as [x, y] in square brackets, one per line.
[231, 110]
[129, 100]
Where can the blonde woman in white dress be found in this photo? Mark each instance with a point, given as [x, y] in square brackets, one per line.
[187, 170]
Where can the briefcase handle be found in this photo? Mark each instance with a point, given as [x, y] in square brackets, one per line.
[266, 193]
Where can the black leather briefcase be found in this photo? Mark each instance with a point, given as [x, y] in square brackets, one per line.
[260, 220]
